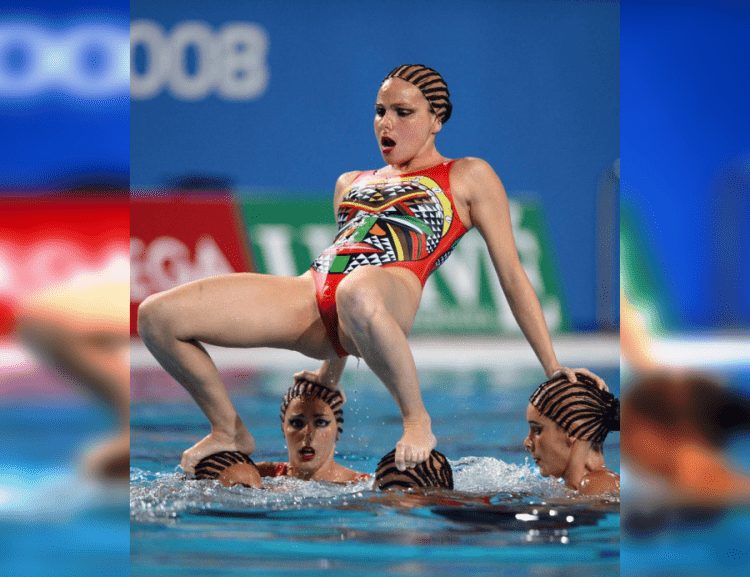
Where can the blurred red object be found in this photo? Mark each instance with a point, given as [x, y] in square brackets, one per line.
[48, 241]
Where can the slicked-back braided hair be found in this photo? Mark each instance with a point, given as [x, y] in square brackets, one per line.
[434, 472]
[430, 83]
[211, 467]
[311, 390]
[582, 409]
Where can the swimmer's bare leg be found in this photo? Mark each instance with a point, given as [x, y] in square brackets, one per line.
[98, 361]
[239, 310]
[376, 309]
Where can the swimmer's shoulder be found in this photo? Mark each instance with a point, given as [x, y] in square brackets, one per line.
[272, 468]
[346, 179]
[346, 475]
[600, 482]
[472, 166]
[343, 183]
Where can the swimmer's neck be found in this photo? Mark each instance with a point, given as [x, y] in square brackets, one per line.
[326, 472]
[583, 461]
[419, 162]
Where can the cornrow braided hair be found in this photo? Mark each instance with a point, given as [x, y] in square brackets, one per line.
[311, 390]
[582, 409]
[210, 467]
[430, 83]
[434, 472]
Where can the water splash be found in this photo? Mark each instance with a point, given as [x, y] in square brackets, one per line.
[486, 475]
[162, 497]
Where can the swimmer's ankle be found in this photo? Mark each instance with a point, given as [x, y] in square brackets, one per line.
[418, 419]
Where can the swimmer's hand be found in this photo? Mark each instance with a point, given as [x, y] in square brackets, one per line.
[570, 374]
[216, 442]
[327, 375]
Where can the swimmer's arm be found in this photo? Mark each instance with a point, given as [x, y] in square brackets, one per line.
[635, 340]
[328, 375]
[330, 371]
[490, 214]
[267, 468]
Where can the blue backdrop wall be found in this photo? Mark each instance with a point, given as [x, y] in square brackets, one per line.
[277, 98]
[686, 153]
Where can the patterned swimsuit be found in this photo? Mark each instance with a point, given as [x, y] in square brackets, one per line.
[408, 220]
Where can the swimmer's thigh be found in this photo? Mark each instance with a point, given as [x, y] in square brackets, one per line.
[246, 310]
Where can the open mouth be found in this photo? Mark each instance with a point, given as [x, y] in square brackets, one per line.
[387, 143]
[307, 453]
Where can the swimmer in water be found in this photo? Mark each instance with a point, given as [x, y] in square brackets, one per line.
[312, 419]
[679, 422]
[568, 423]
[397, 224]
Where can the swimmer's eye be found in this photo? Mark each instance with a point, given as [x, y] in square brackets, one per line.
[322, 423]
[379, 110]
[404, 112]
[296, 423]
[535, 430]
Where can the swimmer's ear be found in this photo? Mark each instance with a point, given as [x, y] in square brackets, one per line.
[437, 125]
[570, 440]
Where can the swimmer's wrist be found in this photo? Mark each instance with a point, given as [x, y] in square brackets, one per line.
[227, 430]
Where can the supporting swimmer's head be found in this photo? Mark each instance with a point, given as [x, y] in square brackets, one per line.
[434, 472]
[581, 409]
[311, 419]
[430, 83]
[310, 390]
[229, 468]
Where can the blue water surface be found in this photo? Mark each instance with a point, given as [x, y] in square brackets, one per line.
[503, 518]
[54, 521]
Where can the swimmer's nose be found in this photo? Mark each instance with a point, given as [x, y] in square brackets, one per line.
[527, 444]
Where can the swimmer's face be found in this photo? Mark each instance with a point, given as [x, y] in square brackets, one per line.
[548, 443]
[310, 431]
[405, 125]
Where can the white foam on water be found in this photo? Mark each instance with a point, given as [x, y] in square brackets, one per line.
[486, 475]
[163, 497]
[54, 495]
[160, 497]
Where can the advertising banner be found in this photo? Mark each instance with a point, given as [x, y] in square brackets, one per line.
[462, 296]
[45, 242]
[177, 239]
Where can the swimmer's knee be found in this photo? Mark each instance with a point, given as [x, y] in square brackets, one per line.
[355, 303]
[153, 316]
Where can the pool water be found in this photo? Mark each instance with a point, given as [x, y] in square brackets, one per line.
[53, 520]
[502, 519]
[690, 542]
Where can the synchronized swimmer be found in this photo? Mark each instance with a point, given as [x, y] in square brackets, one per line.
[312, 419]
[397, 224]
[568, 423]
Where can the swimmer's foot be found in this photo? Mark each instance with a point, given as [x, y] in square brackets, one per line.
[416, 443]
[215, 442]
[110, 459]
